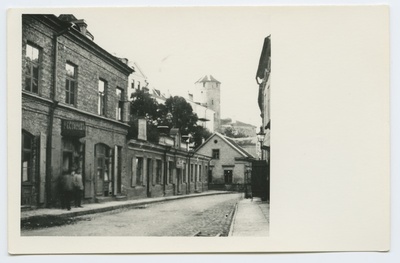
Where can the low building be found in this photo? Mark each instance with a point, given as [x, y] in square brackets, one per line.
[74, 110]
[164, 169]
[231, 165]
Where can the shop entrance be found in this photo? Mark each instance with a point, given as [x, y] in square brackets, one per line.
[103, 166]
[72, 156]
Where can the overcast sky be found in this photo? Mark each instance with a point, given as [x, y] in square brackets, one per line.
[176, 46]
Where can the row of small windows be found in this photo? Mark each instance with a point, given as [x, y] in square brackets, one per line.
[195, 170]
[32, 63]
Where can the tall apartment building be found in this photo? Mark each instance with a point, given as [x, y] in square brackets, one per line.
[74, 110]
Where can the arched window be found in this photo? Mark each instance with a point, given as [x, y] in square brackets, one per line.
[26, 157]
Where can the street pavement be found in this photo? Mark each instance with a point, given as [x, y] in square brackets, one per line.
[212, 213]
[251, 218]
[205, 215]
[104, 207]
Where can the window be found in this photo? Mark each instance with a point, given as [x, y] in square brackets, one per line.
[101, 98]
[191, 172]
[139, 171]
[138, 85]
[195, 173]
[133, 84]
[200, 173]
[228, 176]
[149, 170]
[119, 104]
[215, 153]
[210, 176]
[212, 102]
[158, 171]
[70, 84]
[171, 171]
[32, 69]
[204, 84]
[184, 173]
[26, 160]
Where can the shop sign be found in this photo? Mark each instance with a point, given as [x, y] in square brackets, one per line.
[179, 163]
[73, 128]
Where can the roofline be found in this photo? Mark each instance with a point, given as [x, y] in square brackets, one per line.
[225, 140]
[74, 35]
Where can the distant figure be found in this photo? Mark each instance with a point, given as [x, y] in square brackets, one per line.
[78, 187]
[67, 189]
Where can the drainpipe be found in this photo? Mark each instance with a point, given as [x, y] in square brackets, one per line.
[49, 142]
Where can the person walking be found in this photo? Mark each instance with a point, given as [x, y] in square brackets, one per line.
[78, 187]
[68, 188]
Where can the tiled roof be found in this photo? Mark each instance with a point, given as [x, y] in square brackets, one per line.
[208, 78]
[230, 142]
[238, 146]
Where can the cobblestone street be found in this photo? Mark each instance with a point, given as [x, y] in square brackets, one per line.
[210, 215]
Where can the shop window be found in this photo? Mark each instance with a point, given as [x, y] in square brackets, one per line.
[228, 176]
[119, 104]
[105, 175]
[70, 84]
[171, 171]
[101, 106]
[139, 171]
[27, 157]
[215, 153]
[158, 171]
[32, 69]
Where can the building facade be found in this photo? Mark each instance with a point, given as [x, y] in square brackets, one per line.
[74, 110]
[263, 77]
[164, 169]
[231, 165]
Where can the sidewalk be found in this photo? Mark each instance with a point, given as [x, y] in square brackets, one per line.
[103, 207]
[251, 219]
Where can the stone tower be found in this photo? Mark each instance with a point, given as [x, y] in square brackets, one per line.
[207, 92]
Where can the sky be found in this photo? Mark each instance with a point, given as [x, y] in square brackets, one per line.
[175, 47]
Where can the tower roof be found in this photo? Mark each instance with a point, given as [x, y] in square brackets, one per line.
[208, 78]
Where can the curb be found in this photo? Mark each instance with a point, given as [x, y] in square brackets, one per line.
[133, 203]
[233, 219]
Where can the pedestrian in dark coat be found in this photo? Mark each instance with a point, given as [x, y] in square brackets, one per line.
[78, 187]
[68, 188]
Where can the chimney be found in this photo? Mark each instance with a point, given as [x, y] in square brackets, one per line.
[142, 129]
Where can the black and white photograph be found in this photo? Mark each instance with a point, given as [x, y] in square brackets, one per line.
[147, 129]
[133, 127]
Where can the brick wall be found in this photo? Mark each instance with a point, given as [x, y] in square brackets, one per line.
[91, 65]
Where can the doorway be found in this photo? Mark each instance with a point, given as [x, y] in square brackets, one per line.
[103, 167]
[149, 176]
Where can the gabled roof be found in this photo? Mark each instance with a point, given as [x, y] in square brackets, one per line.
[230, 142]
[208, 78]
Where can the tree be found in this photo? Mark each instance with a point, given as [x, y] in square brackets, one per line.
[144, 106]
[232, 133]
[182, 113]
[199, 135]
